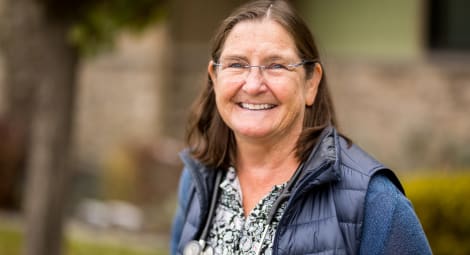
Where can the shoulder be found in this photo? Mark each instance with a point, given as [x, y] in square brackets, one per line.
[353, 157]
[188, 161]
[355, 161]
[383, 197]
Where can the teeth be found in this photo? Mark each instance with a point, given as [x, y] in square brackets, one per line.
[256, 106]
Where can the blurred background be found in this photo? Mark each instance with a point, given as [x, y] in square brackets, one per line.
[94, 95]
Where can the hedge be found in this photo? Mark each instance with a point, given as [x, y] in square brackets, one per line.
[441, 201]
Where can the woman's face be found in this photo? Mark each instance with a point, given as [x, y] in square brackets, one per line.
[258, 104]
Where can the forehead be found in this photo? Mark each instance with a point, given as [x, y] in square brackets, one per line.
[260, 38]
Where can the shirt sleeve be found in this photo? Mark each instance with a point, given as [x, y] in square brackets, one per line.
[390, 223]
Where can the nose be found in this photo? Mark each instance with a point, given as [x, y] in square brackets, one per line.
[254, 81]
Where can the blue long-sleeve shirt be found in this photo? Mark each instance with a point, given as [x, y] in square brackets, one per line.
[390, 223]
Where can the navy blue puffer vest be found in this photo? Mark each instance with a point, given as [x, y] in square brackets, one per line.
[325, 212]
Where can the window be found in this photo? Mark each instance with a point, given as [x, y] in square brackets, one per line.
[449, 25]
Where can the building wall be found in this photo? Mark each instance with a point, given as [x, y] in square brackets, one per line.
[367, 28]
[410, 115]
[395, 97]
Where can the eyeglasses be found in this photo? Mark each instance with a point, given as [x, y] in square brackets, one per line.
[238, 70]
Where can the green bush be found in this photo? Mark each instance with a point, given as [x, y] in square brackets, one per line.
[441, 203]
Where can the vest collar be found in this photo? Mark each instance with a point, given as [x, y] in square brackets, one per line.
[323, 164]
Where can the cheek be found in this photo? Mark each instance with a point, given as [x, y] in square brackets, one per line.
[294, 93]
[222, 98]
[217, 89]
[219, 95]
[224, 92]
[297, 98]
[218, 100]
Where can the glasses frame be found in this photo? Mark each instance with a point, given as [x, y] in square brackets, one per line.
[288, 67]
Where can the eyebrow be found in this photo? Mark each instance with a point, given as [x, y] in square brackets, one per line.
[234, 57]
[274, 57]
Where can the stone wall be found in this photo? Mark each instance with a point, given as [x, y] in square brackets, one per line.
[412, 114]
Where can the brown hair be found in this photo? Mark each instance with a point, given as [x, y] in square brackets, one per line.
[209, 138]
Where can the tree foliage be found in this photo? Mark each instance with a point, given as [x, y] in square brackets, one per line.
[95, 23]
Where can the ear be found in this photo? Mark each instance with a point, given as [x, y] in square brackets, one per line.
[211, 71]
[312, 85]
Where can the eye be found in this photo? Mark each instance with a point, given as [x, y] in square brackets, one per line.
[276, 66]
[235, 65]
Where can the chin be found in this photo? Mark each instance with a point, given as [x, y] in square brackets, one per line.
[252, 133]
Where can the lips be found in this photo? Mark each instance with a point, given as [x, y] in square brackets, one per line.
[256, 107]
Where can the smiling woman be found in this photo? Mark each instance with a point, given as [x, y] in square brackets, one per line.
[266, 102]
[266, 170]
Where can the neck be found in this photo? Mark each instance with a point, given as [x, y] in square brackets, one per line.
[260, 168]
[264, 164]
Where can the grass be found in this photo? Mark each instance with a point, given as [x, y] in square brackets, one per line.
[84, 248]
[11, 241]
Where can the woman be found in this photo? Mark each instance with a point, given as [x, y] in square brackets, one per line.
[266, 170]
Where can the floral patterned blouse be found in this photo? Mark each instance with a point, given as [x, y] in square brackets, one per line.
[231, 232]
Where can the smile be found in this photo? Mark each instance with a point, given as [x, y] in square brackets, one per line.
[256, 107]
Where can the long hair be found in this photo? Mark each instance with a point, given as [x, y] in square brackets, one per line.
[210, 140]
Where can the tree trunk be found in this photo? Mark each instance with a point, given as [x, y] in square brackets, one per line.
[40, 70]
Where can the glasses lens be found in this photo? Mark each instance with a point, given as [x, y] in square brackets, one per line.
[233, 71]
[238, 71]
